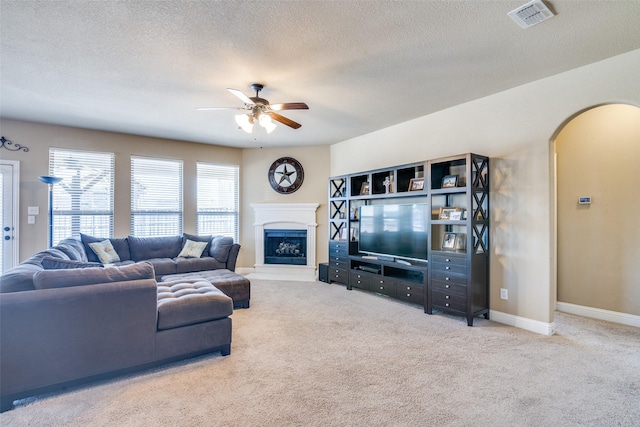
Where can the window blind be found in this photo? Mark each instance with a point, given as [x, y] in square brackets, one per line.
[156, 197]
[217, 199]
[83, 200]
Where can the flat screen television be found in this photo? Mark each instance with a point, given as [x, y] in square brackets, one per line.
[398, 231]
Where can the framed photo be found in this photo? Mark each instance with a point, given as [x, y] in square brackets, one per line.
[354, 234]
[449, 242]
[450, 181]
[343, 233]
[364, 188]
[416, 184]
[461, 242]
[455, 215]
[446, 212]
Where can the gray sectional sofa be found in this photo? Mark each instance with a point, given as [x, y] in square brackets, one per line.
[65, 318]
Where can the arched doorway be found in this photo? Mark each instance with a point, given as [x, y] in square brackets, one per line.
[597, 156]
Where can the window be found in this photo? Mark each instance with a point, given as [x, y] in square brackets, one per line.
[83, 200]
[217, 203]
[156, 197]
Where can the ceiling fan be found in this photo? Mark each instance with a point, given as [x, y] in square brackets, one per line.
[259, 109]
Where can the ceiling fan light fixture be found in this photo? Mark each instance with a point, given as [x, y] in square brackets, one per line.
[266, 122]
[245, 122]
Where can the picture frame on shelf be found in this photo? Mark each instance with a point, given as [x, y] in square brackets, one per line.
[364, 189]
[354, 234]
[455, 215]
[449, 241]
[461, 242]
[416, 184]
[450, 181]
[343, 233]
[446, 211]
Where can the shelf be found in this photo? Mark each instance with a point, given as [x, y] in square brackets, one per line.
[452, 184]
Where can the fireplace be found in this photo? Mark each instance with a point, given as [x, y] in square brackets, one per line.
[285, 247]
[294, 225]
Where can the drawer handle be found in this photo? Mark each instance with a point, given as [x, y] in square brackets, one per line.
[382, 287]
[447, 286]
[447, 259]
[408, 295]
[447, 268]
[446, 305]
[447, 278]
[408, 288]
[447, 296]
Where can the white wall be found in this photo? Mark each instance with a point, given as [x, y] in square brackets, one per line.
[514, 128]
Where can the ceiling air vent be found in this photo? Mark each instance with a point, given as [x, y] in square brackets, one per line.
[531, 14]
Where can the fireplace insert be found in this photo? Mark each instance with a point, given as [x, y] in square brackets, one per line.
[287, 247]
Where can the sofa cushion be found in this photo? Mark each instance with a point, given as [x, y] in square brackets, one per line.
[105, 251]
[51, 263]
[36, 259]
[19, 278]
[192, 249]
[196, 238]
[47, 279]
[74, 249]
[220, 247]
[163, 266]
[181, 304]
[121, 245]
[185, 265]
[143, 248]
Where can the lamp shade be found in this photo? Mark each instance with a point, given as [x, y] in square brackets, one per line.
[245, 122]
[50, 179]
[267, 123]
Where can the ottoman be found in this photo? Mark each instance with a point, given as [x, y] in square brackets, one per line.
[237, 287]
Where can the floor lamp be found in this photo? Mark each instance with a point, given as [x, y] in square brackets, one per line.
[50, 180]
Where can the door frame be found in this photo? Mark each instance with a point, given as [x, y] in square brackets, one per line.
[15, 247]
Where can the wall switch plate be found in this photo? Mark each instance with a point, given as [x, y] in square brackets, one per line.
[31, 219]
[504, 293]
[584, 200]
[33, 210]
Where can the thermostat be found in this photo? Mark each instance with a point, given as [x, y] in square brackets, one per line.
[584, 200]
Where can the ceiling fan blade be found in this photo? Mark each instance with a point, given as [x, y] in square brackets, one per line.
[289, 106]
[284, 120]
[244, 98]
[219, 108]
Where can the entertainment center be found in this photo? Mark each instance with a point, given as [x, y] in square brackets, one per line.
[417, 232]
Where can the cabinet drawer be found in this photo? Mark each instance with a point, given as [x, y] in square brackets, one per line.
[448, 287]
[383, 286]
[448, 259]
[449, 301]
[338, 248]
[445, 276]
[359, 280]
[410, 293]
[338, 275]
[449, 268]
[340, 263]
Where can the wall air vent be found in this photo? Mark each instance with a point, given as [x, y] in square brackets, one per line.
[531, 14]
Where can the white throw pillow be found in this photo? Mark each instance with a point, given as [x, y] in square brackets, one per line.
[105, 252]
[192, 249]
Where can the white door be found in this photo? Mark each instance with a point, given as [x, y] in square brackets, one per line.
[9, 184]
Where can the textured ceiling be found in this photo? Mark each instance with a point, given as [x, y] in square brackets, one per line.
[143, 67]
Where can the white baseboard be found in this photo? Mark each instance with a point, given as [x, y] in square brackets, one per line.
[536, 326]
[243, 271]
[600, 314]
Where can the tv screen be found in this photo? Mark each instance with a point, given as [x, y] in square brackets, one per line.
[394, 230]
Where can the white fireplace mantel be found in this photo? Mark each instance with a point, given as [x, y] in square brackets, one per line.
[291, 216]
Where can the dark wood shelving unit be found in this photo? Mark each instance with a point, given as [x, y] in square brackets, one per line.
[457, 278]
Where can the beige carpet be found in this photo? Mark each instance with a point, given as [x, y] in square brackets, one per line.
[313, 354]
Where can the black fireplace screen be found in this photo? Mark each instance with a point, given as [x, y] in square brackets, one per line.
[285, 247]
